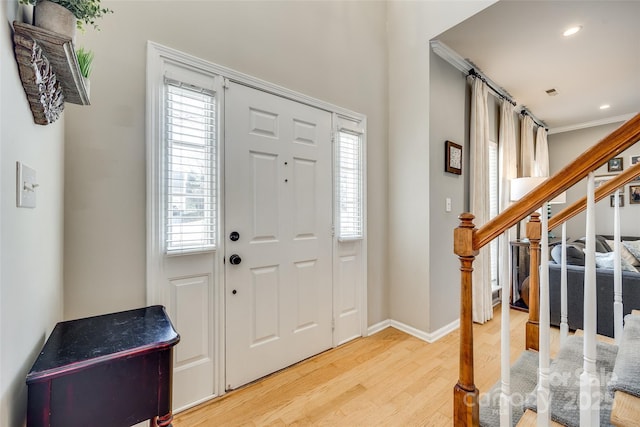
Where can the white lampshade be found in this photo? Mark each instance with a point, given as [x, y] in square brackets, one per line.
[522, 186]
[559, 199]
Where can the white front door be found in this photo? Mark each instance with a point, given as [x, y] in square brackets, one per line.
[278, 239]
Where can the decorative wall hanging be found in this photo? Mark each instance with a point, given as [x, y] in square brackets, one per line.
[49, 71]
[615, 165]
[453, 158]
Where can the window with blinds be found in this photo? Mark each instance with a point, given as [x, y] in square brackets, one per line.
[190, 188]
[349, 186]
[493, 209]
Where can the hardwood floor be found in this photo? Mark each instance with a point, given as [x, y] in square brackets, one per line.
[387, 379]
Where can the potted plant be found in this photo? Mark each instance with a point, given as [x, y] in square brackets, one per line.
[64, 16]
[85, 60]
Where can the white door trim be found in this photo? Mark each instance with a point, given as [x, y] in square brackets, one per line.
[157, 55]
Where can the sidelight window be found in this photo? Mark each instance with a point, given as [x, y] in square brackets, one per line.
[349, 185]
[190, 148]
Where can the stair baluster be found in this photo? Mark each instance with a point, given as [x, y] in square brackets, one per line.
[589, 383]
[543, 393]
[505, 339]
[617, 272]
[564, 317]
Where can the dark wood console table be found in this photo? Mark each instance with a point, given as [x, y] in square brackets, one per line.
[105, 371]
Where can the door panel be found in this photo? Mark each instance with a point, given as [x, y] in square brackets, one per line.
[189, 303]
[278, 198]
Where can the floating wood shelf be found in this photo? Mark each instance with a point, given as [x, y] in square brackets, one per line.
[49, 71]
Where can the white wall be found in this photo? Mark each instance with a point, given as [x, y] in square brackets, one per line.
[410, 27]
[31, 239]
[566, 146]
[333, 51]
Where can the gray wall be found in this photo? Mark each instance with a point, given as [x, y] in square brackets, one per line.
[334, 51]
[450, 100]
[31, 239]
[566, 146]
[449, 114]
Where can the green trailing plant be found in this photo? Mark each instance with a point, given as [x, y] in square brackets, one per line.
[85, 59]
[86, 11]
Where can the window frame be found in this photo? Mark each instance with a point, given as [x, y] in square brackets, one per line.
[344, 125]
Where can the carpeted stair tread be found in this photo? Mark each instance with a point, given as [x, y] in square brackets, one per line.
[564, 379]
[626, 374]
[523, 380]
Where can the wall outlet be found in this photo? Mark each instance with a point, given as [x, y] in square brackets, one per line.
[25, 186]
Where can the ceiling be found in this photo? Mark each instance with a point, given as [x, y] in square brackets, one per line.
[519, 46]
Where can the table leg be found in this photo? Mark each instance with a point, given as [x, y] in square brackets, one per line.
[163, 421]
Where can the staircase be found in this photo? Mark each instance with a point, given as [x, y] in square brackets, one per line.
[618, 371]
[576, 388]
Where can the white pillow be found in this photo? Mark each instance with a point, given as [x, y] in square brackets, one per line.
[625, 254]
[605, 260]
[634, 247]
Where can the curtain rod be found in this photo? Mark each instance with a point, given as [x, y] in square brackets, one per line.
[541, 124]
[501, 93]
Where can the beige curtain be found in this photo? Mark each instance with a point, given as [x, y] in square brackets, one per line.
[527, 153]
[479, 139]
[541, 161]
[508, 170]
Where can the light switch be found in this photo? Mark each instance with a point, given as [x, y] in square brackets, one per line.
[447, 205]
[25, 186]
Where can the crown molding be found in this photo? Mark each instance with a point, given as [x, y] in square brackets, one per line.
[451, 56]
[585, 125]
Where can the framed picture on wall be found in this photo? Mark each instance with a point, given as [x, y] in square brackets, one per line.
[612, 199]
[635, 159]
[615, 165]
[634, 194]
[453, 157]
[598, 180]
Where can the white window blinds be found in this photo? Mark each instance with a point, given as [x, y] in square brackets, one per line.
[349, 186]
[190, 168]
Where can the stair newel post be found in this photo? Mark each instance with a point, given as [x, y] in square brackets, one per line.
[466, 411]
[534, 232]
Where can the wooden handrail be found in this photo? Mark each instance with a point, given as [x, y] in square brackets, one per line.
[610, 146]
[601, 192]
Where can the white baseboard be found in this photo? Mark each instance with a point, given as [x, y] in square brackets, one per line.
[429, 337]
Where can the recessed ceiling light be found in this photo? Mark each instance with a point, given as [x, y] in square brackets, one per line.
[571, 31]
[605, 106]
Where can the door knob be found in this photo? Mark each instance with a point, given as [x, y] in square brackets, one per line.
[235, 259]
[234, 236]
